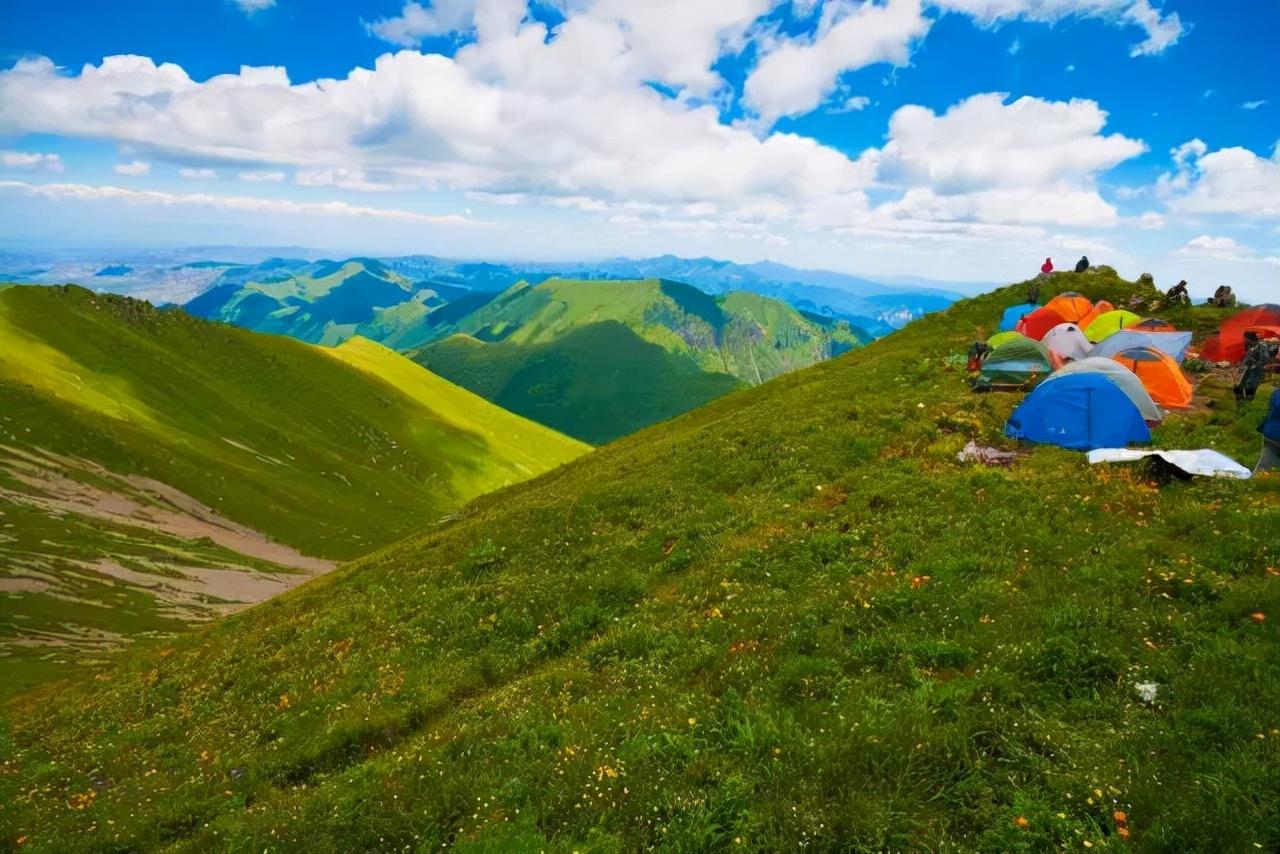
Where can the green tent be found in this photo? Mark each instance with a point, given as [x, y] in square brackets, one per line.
[1002, 338]
[1108, 324]
[1015, 364]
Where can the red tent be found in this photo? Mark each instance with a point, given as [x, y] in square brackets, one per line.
[1228, 344]
[1038, 323]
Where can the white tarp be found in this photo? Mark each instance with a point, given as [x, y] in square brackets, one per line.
[1204, 462]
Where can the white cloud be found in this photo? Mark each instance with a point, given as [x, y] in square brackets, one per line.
[85, 192]
[417, 22]
[251, 6]
[982, 143]
[259, 176]
[1253, 105]
[1223, 249]
[1227, 181]
[795, 75]
[135, 167]
[1162, 31]
[853, 104]
[32, 160]
[1015, 47]
[198, 174]
[1151, 221]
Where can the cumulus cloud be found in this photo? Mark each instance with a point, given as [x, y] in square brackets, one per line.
[417, 22]
[569, 118]
[796, 75]
[198, 174]
[1227, 181]
[1150, 221]
[1027, 161]
[1162, 31]
[32, 160]
[134, 167]
[85, 192]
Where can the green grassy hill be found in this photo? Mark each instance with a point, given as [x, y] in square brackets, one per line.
[325, 303]
[144, 451]
[601, 359]
[787, 620]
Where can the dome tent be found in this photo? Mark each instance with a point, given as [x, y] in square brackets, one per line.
[1153, 324]
[1173, 343]
[1126, 379]
[1067, 341]
[1015, 364]
[1228, 344]
[1002, 338]
[1009, 320]
[1160, 375]
[1110, 323]
[1071, 306]
[1079, 411]
[1100, 308]
[1038, 323]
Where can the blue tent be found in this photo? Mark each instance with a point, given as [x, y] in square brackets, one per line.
[1013, 314]
[1173, 343]
[1080, 411]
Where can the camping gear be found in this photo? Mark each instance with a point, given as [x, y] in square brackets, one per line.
[1160, 375]
[1015, 364]
[1153, 324]
[1079, 411]
[1205, 462]
[987, 456]
[1106, 325]
[1001, 338]
[1100, 308]
[1009, 320]
[1126, 379]
[1067, 341]
[1228, 344]
[1038, 323]
[1173, 343]
[1071, 306]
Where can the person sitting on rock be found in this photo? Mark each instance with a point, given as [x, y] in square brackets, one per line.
[1083, 264]
[1257, 355]
[1177, 294]
[1047, 266]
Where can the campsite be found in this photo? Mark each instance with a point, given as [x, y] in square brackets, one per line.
[1099, 377]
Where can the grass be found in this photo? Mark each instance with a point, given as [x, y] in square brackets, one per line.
[333, 456]
[789, 619]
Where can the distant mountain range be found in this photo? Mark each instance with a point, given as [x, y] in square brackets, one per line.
[178, 275]
[594, 358]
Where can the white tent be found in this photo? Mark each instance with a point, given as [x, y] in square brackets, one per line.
[1067, 341]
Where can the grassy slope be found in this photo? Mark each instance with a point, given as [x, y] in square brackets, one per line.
[520, 448]
[596, 382]
[789, 618]
[270, 432]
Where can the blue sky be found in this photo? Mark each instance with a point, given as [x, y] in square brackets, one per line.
[956, 139]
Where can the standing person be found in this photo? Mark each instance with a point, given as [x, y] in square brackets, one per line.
[1270, 430]
[1256, 356]
[1083, 264]
[1047, 266]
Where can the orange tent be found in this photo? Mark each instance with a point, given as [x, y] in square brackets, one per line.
[1038, 323]
[1071, 306]
[1160, 376]
[1102, 307]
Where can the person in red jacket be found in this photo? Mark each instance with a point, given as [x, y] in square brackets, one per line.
[1048, 266]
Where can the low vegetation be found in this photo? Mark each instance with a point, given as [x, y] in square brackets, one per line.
[790, 619]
